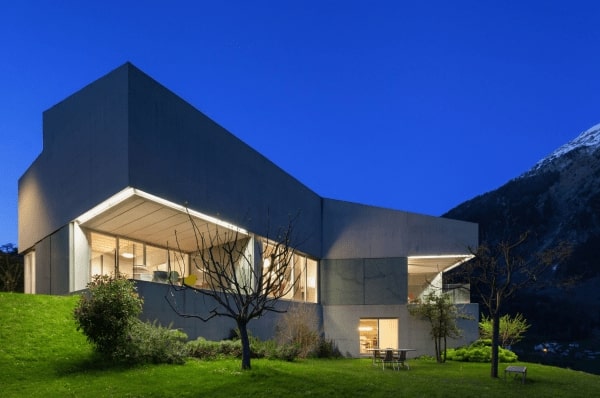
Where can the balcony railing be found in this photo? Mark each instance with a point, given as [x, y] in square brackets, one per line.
[460, 293]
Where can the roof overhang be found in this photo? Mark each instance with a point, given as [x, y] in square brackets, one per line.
[434, 264]
[141, 216]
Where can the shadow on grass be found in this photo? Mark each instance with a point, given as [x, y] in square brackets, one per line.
[92, 363]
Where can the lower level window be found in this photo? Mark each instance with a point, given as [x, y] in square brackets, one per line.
[377, 333]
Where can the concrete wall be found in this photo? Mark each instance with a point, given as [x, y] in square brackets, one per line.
[156, 307]
[52, 263]
[125, 129]
[179, 154]
[341, 325]
[84, 158]
[352, 230]
[363, 281]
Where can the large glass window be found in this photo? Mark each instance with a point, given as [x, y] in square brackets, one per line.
[142, 261]
[134, 259]
[130, 260]
[299, 281]
[420, 285]
[377, 333]
[103, 254]
[311, 280]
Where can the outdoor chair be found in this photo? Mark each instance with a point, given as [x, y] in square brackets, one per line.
[377, 358]
[388, 358]
[190, 280]
[400, 360]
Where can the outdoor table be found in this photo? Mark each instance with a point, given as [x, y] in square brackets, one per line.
[400, 357]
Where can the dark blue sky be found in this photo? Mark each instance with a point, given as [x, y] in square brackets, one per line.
[416, 106]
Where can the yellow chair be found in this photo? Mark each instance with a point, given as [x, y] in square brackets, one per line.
[190, 280]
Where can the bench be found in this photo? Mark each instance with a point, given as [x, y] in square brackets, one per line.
[516, 371]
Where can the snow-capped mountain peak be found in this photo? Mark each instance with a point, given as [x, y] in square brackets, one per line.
[588, 139]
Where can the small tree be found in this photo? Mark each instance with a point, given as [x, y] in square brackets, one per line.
[442, 314]
[512, 329]
[243, 289]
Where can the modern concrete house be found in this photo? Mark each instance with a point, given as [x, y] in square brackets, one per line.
[124, 160]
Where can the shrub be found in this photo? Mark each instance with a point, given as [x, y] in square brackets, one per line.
[105, 312]
[286, 352]
[480, 351]
[327, 349]
[512, 329]
[205, 349]
[299, 327]
[263, 349]
[152, 343]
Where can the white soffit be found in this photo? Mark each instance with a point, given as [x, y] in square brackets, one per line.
[137, 215]
[435, 264]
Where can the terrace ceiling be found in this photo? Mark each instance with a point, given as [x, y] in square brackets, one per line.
[142, 217]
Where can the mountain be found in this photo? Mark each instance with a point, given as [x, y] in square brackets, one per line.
[557, 200]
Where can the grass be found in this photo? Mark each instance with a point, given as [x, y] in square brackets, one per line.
[42, 355]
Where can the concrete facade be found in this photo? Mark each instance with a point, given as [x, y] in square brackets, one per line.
[125, 157]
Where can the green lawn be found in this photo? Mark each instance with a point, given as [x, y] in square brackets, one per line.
[42, 355]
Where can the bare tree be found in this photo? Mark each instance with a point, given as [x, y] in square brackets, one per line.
[243, 287]
[498, 272]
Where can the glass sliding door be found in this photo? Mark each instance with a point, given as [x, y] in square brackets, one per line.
[377, 333]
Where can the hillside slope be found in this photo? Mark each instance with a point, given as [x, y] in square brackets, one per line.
[558, 200]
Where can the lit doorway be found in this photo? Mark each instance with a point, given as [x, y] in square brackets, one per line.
[377, 333]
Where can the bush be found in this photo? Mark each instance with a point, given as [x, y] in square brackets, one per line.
[152, 343]
[327, 349]
[205, 349]
[480, 351]
[286, 352]
[299, 327]
[512, 329]
[106, 312]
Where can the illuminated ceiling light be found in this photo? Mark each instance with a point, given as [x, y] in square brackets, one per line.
[127, 255]
[365, 328]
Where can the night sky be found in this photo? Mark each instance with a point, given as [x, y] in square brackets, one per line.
[416, 106]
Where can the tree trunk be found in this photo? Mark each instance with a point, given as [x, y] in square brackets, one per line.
[495, 342]
[445, 349]
[246, 353]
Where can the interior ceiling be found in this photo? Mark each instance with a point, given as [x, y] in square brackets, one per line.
[433, 264]
[142, 219]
